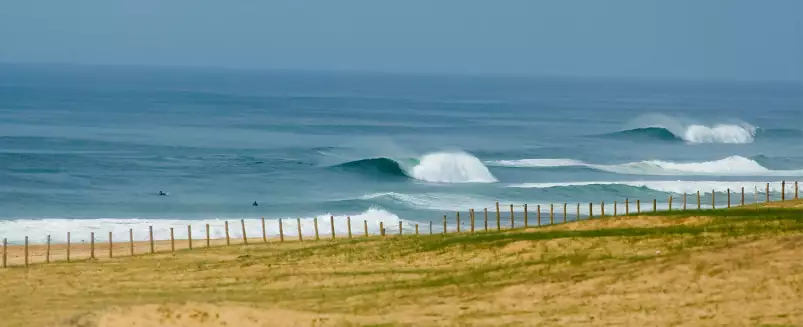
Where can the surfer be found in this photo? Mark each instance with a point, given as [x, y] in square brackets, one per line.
[162, 193]
[255, 204]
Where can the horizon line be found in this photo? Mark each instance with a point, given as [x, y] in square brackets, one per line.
[511, 75]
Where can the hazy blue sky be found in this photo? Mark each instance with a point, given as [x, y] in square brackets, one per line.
[722, 39]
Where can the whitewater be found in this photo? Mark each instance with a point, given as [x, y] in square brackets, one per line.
[730, 166]
[88, 149]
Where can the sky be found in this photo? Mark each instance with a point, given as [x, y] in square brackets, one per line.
[680, 39]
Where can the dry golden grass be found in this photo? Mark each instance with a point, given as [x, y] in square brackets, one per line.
[729, 268]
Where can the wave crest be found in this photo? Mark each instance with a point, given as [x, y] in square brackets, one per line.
[438, 167]
[662, 127]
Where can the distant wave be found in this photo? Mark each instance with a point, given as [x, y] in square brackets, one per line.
[438, 167]
[676, 187]
[733, 134]
[38, 229]
[667, 128]
[723, 133]
[730, 166]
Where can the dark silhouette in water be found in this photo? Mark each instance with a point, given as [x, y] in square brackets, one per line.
[255, 204]
[162, 193]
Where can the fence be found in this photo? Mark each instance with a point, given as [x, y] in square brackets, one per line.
[28, 254]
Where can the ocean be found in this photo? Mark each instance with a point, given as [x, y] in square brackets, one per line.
[88, 148]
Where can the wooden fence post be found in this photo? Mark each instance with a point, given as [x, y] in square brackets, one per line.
[564, 212]
[316, 228]
[590, 210]
[471, 213]
[68, 246]
[698, 201]
[654, 205]
[783, 191]
[91, 245]
[713, 199]
[670, 203]
[110, 244]
[226, 225]
[577, 217]
[526, 218]
[430, 227]
[614, 209]
[245, 237]
[365, 226]
[458, 222]
[298, 222]
[382, 228]
[172, 241]
[602, 209]
[131, 241]
[498, 218]
[684, 201]
[638, 206]
[444, 224]
[486, 219]
[627, 206]
[416, 229]
[5, 253]
[264, 232]
[742, 196]
[189, 236]
[551, 214]
[768, 192]
[538, 207]
[796, 193]
[332, 225]
[47, 253]
[26, 251]
[400, 228]
[729, 197]
[512, 222]
[281, 230]
[207, 235]
[348, 224]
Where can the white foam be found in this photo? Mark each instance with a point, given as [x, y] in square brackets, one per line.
[442, 201]
[80, 229]
[451, 167]
[538, 163]
[730, 166]
[677, 187]
[722, 133]
[732, 133]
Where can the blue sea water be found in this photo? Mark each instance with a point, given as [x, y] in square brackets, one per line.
[88, 148]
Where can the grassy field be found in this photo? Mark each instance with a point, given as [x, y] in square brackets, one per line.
[734, 267]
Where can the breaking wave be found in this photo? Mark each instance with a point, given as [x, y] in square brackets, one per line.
[730, 166]
[438, 167]
[722, 133]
